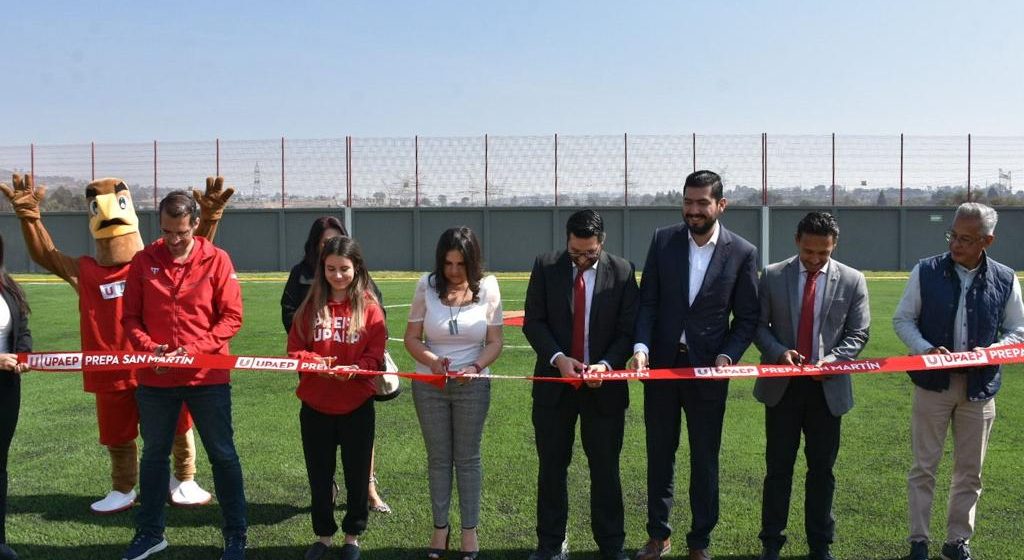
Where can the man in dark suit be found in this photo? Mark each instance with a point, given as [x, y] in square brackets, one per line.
[580, 310]
[814, 310]
[697, 273]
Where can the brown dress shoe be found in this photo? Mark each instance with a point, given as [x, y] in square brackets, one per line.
[654, 549]
[699, 554]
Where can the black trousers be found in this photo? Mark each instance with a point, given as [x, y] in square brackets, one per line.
[802, 409]
[321, 436]
[664, 404]
[10, 402]
[601, 433]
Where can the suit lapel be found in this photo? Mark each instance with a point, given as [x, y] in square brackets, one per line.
[680, 245]
[831, 285]
[602, 283]
[793, 295]
[718, 260]
[565, 280]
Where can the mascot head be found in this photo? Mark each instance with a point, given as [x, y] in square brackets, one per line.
[111, 212]
[113, 222]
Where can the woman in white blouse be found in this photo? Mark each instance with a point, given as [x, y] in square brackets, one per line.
[454, 325]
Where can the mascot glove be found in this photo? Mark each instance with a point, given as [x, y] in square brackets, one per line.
[212, 202]
[24, 197]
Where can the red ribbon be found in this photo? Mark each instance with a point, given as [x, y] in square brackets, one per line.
[110, 361]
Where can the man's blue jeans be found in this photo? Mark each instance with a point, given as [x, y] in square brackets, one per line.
[210, 406]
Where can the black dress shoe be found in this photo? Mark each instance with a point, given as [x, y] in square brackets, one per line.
[825, 554]
[956, 551]
[620, 555]
[542, 554]
[317, 551]
[769, 553]
[918, 550]
[6, 553]
[349, 552]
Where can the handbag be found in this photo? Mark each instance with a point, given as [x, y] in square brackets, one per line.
[387, 383]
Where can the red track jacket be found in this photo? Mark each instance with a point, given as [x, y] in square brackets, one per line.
[196, 304]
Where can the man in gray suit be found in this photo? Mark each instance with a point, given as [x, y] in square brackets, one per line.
[814, 310]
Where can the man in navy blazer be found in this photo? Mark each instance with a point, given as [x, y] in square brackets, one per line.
[696, 275]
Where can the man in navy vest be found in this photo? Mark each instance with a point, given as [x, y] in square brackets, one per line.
[957, 301]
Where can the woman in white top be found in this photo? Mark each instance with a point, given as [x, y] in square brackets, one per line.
[454, 325]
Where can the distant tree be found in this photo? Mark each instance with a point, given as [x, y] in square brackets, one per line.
[670, 198]
[62, 199]
[881, 200]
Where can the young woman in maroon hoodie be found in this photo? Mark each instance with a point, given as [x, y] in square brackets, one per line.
[339, 323]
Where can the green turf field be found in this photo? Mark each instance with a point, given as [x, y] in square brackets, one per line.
[57, 468]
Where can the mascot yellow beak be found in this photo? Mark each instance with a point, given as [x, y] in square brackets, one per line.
[111, 212]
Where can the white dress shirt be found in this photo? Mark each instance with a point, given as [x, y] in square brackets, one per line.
[909, 309]
[700, 258]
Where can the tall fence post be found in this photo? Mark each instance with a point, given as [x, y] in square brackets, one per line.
[556, 169]
[416, 157]
[282, 172]
[625, 169]
[92, 158]
[486, 171]
[218, 158]
[833, 169]
[155, 203]
[348, 171]
[693, 146]
[764, 169]
[901, 169]
[32, 161]
[968, 167]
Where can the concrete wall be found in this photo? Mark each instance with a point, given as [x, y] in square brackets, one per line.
[404, 238]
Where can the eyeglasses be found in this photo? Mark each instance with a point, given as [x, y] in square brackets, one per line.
[964, 240]
[591, 255]
[177, 234]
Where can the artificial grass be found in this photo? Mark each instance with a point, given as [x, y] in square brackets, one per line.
[57, 467]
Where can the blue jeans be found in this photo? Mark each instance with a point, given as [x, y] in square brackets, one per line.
[210, 406]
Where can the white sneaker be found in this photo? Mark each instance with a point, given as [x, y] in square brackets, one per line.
[114, 502]
[187, 493]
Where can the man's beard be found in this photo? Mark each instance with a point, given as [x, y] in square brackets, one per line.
[702, 229]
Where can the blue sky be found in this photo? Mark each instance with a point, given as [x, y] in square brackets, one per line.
[136, 71]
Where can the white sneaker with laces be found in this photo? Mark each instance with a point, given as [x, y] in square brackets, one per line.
[187, 493]
[114, 502]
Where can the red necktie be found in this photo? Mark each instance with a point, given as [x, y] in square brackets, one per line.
[805, 332]
[579, 315]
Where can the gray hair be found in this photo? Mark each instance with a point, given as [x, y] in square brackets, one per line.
[977, 211]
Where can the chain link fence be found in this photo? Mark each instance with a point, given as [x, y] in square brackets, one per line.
[555, 170]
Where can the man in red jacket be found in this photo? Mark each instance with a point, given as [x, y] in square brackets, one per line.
[182, 298]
